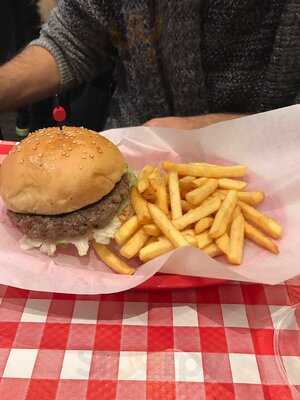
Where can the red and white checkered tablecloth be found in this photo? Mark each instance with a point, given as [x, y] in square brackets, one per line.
[207, 343]
[213, 343]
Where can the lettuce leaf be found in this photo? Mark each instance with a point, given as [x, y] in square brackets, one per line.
[131, 176]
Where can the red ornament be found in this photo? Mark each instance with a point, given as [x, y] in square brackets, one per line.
[59, 114]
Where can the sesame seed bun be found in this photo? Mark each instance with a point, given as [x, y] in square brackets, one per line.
[55, 172]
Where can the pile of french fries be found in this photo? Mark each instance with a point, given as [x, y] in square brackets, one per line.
[196, 204]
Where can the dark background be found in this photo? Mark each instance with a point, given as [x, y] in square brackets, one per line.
[87, 105]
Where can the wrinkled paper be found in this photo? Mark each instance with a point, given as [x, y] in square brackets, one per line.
[267, 143]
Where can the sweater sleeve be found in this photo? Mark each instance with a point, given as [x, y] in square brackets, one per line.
[77, 40]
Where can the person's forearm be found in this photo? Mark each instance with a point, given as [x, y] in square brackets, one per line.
[29, 77]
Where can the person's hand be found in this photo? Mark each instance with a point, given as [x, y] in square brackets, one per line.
[188, 123]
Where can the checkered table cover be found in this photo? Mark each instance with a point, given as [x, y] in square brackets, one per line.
[207, 343]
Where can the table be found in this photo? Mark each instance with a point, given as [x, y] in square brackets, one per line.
[213, 343]
[207, 343]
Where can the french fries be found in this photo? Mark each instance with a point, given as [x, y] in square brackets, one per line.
[152, 230]
[162, 199]
[199, 182]
[192, 240]
[223, 216]
[231, 184]
[175, 200]
[155, 249]
[265, 223]
[212, 250]
[112, 260]
[149, 194]
[223, 243]
[186, 184]
[196, 214]
[206, 171]
[204, 239]
[131, 248]
[251, 198]
[143, 182]
[166, 226]
[140, 207]
[127, 230]
[236, 212]
[259, 238]
[197, 196]
[159, 187]
[151, 239]
[236, 243]
[185, 206]
[203, 224]
[188, 231]
[194, 204]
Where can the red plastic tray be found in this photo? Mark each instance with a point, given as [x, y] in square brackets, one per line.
[169, 282]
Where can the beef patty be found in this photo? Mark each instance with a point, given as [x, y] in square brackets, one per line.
[76, 223]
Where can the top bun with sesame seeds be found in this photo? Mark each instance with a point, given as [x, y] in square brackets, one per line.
[55, 172]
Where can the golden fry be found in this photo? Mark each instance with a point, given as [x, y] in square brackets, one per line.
[127, 230]
[212, 250]
[192, 240]
[251, 198]
[262, 221]
[231, 184]
[223, 216]
[198, 213]
[143, 182]
[166, 226]
[175, 200]
[142, 185]
[223, 243]
[155, 174]
[152, 230]
[146, 171]
[259, 238]
[236, 212]
[140, 207]
[199, 182]
[203, 240]
[151, 239]
[186, 206]
[149, 194]
[197, 196]
[186, 184]
[159, 187]
[155, 249]
[162, 198]
[134, 244]
[221, 194]
[112, 260]
[190, 232]
[236, 243]
[207, 171]
[203, 224]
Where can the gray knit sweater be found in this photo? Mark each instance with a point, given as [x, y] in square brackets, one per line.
[180, 57]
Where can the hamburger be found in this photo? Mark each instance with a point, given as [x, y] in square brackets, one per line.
[64, 186]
